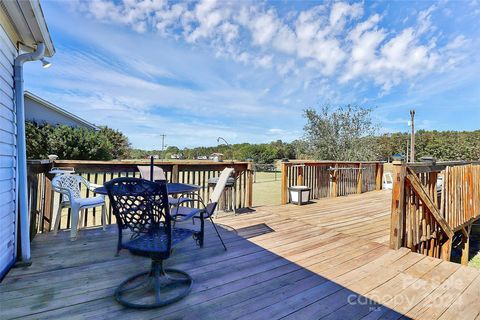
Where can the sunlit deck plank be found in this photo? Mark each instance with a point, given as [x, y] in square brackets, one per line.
[293, 262]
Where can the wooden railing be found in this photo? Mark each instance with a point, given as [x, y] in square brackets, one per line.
[44, 202]
[331, 179]
[431, 202]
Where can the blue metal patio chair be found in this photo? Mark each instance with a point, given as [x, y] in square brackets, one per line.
[141, 207]
[182, 213]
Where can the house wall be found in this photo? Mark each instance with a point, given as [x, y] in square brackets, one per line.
[35, 111]
[8, 154]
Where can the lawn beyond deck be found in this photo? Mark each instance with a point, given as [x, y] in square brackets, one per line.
[282, 262]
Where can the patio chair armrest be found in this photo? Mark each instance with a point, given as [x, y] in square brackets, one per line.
[93, 186]
[186, 200]
[193, 214]
[90, 186]
[182, 200]
[63, 191]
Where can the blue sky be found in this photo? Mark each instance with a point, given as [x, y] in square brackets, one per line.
[246, 70]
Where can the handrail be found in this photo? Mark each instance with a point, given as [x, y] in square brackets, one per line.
[430, 202]
[421, 167]
[331, 178]
[44, 202]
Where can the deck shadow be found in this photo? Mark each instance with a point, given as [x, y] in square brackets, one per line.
[247, 281]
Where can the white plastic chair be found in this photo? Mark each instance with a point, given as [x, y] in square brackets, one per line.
[68, 185]
[387, 181]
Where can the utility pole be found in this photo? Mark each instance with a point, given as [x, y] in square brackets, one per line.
[163, 145]
[412, 142]
[406, 154]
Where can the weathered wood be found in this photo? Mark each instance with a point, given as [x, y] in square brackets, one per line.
[379, 176]
[300, 176]
[175, 173]
[466, 245]
[360, 178]
[425, 167]
[446, 250]
[334, 189]
[284, 181]
[249, 191]
[398, 206]
[433, 216]
[427, 200]
[48, 206]
[331, 178]
[299, 270]
[102, 171]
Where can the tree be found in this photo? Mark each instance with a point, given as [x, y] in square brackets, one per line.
[74, 143]
[341, 134]
[120, 143]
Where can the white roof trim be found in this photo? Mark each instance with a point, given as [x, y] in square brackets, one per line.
[57, 109]
[28, 20]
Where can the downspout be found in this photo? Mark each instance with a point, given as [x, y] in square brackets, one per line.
[22, 191]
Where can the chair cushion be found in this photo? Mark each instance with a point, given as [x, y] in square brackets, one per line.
[184, 213]
[156, 242]
[90, 202]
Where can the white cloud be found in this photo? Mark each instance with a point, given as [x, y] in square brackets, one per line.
[264, 62]
[425, 20]
[162, 76]
[335, 39]
[263, 27]
[285, 40]
[341, 11]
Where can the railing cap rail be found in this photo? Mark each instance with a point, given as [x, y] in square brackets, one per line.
[39, 161]
[296, 162]
[137, 162]
[420, 167]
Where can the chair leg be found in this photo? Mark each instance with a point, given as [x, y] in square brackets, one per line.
[57, 220]
[104, 217]
[233, 202]
[202, 232]
[81, 223]
[74, 226]
[119, 242]
[218, 233]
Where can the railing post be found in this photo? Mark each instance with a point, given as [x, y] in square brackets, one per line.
[334, 190]
[465, 244]
[446, 250]
[378, 176]
[249, 190]
[398, 205]
[300, 176]
[284, 183]
[48, 213]
[175, 173]
[32, 196]
[360, 178]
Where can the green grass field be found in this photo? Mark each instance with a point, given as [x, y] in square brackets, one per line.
[266, 188]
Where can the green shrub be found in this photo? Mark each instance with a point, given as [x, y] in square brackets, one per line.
[74, 143]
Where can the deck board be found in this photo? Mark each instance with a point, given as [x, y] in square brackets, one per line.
[326, 260]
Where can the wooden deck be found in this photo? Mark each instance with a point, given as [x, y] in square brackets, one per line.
[309, 262]
[365, 215]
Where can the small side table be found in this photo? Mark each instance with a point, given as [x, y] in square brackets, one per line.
[299, 194]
